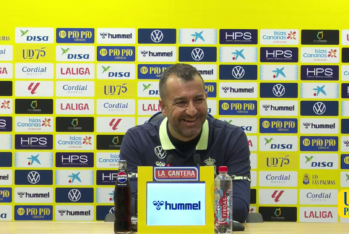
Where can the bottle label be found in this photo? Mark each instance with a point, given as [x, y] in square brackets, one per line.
[223, 207]
[122, 177]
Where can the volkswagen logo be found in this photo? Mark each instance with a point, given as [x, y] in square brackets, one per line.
[160, 152]
[74, 195]
[33, 177]
[238, 72]
[156, 36]
[111, 211]
[319, 108]
[279, 90]
[197, 54]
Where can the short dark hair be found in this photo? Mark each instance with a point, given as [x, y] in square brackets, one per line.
[183, 71]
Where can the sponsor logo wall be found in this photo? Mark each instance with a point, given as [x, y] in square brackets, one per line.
[69, 95]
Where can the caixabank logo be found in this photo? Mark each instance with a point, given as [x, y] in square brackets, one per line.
[227, 107]
[34, 159]
[280, 73]
[74, 177]
[75, 35]
[33, 212]
[317, 143]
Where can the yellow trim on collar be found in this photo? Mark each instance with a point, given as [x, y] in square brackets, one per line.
[166, 143]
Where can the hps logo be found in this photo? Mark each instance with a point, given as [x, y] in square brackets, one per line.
[177, 206]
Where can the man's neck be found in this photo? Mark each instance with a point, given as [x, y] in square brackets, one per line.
[178, 137]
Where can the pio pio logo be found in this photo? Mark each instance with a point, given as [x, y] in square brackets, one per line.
[343, 203]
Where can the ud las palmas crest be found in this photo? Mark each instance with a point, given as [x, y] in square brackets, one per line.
[210, 162]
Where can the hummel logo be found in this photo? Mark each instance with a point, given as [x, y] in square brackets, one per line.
[306, 125]
[266, 107]
[158, 204]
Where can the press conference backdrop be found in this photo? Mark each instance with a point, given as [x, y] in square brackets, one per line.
[72, 83]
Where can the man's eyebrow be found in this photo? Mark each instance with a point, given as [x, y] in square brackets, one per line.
[183, 98]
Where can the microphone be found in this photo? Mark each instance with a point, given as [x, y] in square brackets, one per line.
[197, 160]
[169, 160]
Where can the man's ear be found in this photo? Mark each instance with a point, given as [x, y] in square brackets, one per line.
[162, 105]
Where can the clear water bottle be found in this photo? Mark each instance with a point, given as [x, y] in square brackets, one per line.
[223, 202]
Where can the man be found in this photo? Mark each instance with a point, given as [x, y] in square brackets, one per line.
[187, 130]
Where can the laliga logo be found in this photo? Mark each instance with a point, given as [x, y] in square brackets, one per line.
[158, 204]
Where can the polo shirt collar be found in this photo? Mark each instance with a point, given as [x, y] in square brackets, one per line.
[166, 143]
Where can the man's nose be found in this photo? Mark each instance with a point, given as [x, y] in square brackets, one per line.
[191, 109]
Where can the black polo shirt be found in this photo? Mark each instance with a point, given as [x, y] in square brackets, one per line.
[220, 144]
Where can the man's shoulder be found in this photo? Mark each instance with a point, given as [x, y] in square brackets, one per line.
[223, 127]
[151, 128]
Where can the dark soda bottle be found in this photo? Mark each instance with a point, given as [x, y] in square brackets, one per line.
[122, 201]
